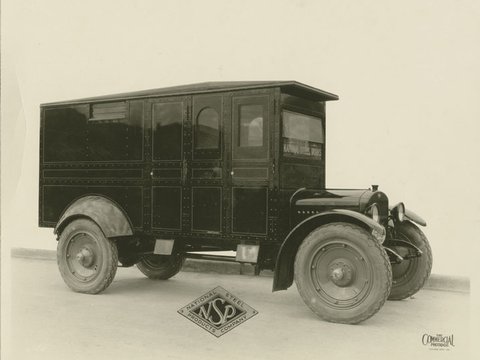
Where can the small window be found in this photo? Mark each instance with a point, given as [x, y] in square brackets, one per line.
[109, 112]
[251, 125]
[207, 129]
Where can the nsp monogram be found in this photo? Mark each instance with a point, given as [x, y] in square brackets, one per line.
[222, 312]
[218, 311]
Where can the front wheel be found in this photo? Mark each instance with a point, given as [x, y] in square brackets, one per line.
[87, 260]
[160, 267]
[342, 273]
[411, 274]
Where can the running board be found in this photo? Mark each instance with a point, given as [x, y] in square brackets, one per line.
[211, 257]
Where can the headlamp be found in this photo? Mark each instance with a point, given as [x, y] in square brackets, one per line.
[374, 213]
[398, 212]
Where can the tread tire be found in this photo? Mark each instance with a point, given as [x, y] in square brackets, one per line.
[373, 262]
[105, 257]
[418, 270]
[160, 267]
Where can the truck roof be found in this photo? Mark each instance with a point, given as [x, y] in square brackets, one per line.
[291, 87]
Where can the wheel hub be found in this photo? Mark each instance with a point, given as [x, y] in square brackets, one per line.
[85, 257]
[341, 273]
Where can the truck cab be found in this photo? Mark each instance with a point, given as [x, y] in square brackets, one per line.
[149, 178]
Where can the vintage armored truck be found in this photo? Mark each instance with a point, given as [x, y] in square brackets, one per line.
[150, 178]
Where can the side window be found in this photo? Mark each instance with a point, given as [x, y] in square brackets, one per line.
[207, 129]
[251, 125]
[302, 134]
[207, 126]
[167, 131]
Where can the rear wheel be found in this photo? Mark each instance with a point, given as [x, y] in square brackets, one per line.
[87, 260]
[342, 273]
[410, 275]
[160, 267]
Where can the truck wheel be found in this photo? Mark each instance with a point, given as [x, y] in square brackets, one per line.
[342, 273]
[410, 275]
[160, 267]
[87, 260]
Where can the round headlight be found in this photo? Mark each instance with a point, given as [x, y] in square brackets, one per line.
[398, 212]
[374, 213]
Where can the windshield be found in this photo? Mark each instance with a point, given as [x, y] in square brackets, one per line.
[302, 134]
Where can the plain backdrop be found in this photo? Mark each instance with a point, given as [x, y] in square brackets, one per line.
[406, 73]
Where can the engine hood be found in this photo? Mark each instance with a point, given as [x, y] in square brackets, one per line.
[310, 201]
[330, 197]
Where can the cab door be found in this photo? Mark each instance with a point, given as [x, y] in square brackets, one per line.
[250, 168]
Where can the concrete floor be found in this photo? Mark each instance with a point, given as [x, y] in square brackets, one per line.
[136, 318]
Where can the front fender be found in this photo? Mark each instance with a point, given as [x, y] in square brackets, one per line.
[107, 214]
[410, 215]
[283, 275]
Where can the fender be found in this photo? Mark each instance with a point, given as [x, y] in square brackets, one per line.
[283, 275]
[410, 215]
[106, 213]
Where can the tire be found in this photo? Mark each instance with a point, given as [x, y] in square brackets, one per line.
[342, 273]
[410, 275]
[87, 260]
[160, 267]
